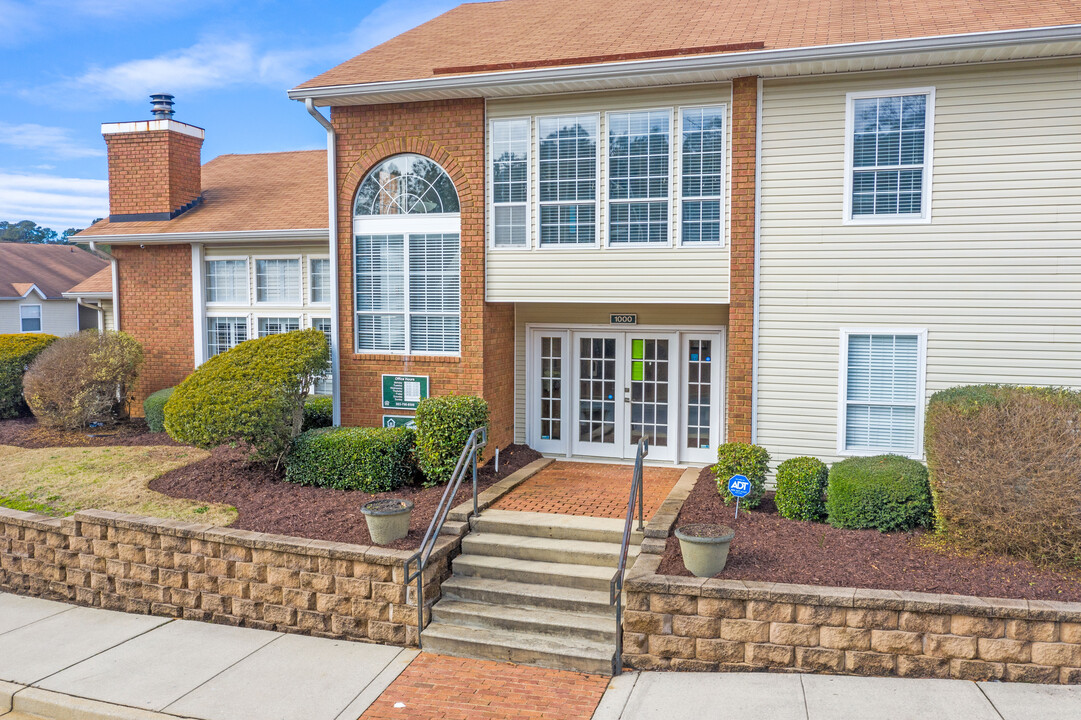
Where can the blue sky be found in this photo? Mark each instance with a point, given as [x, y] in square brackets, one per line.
[66, 66]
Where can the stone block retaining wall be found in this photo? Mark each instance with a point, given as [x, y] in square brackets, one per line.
[201, 572]
[679, 623]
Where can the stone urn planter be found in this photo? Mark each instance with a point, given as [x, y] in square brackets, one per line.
[388, 519]
[705, 547]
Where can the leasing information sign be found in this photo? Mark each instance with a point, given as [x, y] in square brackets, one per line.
[404, 392]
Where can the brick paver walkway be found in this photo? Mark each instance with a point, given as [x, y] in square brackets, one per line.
[591, 489]
[437, 686]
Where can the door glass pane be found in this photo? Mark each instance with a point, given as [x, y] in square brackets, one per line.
[597, 388]
[551, 393]
[699, 374]
[649, 391]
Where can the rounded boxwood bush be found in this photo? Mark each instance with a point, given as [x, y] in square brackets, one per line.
[154, 409]
[253, 394]
[443, 427]
[348, 458]
[318, 412]
[887, 492]
[17, 351]
[742, 459]
[801, 488]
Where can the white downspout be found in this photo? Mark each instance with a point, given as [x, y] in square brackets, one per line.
[332, 233]
[116, 285]
[757, 260]
[198, 309]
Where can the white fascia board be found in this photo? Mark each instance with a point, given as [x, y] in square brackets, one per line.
[88, 295]
[728, 63]
[35, 289]
[149, 125]
[212, 238]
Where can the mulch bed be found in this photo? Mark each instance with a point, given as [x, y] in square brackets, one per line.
[27, 433]
[266, 503]
[769, 548]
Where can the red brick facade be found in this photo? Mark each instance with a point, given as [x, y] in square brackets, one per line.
[155, 171]
[741, 307]
[452, 134]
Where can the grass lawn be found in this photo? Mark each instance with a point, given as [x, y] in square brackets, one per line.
[60, 481]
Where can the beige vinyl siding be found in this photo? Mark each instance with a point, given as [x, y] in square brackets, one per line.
[592, 314]
[994, 278]
[599, 274]
[58, 317]
[107, 309]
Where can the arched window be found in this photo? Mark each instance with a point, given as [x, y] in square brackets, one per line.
[407, 270]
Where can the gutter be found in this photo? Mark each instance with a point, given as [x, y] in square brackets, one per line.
[729, 62]
[332, 240]
[209, 237]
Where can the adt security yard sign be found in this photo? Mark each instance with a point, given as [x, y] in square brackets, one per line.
[740, 487]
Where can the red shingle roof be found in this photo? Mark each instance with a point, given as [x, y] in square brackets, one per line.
[54, 269]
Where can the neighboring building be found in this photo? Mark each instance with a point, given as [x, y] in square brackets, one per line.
[691, 222]
[36, 289]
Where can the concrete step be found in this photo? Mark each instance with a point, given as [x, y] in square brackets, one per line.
[518, 647]
[525, 595]
[553, 525]
[552, 550]
[550, 623]
[583, 577]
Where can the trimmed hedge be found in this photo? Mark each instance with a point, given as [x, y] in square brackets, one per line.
[17, 351]
[371, 460]
[801, 488]
[154, 409]
[443, 427]
[886, 492]
[1005, 466]
[253, 394]
[742, 459]
[318, 412]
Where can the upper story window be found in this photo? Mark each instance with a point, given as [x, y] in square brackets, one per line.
[702, 155]
[227, 281]
[319, 287]
[889, 156]
[638, 152]
[567, 164]
[406, 185]
[510, 182]
[30, 318]
[277, 281]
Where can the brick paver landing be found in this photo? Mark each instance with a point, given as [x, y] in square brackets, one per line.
[591, 489]
[438, 686]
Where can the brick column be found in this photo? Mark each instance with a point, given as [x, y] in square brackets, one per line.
[741, 279]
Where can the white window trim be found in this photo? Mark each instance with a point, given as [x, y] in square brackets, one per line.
[671, 223]
[40, 317]
[921, 388]
[490, 190]
[311, 258]
[249, 285]
[255, 301]
[600, 222]
[677, 193]
[928, 159]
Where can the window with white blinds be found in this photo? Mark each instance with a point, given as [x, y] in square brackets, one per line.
[320, 280]
[324, 385]
[277, 281]
[567, 162]
[882, 403]
[227, 281]
[277, 325]
[702, 176]
[30, 318]
[223, 333]
[638, 150]
[510, 182]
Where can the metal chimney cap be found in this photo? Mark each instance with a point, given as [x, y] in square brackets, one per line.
[161, 106]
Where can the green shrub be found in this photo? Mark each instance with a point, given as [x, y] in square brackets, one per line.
[347, 458]
[801, 488]
[1005, 464]
[318, 412]
[154, 409]
[887, 492]
[253, 393]
[742, 459]
[443, 427]
[83, 379]
[17, 351]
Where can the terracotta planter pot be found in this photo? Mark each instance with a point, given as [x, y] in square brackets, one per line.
[705, 547]
[388, 519]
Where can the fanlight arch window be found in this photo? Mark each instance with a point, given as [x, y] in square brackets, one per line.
[406, 259]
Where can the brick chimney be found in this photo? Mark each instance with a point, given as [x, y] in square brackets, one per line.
[155, 169]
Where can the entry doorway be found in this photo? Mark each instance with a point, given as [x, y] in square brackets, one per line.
[595, 392]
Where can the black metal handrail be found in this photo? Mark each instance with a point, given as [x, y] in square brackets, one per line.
[615, 590]
[477, 440]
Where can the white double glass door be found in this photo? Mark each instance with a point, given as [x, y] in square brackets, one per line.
[596, 393]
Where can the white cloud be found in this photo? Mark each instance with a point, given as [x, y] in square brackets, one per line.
[56, 202]
[52, 141]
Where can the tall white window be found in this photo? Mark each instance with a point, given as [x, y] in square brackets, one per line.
[30, 318]
[227, 281]
[567, 163]
[224, 333]
[320, 280]
[889, 155]
[277, 281]
[323, 385]
[638, 175]
[882, 392]
[277, 325]
[510, 182]
[702, 160]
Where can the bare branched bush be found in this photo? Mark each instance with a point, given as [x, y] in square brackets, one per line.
[1005, 468]
[83, 379]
